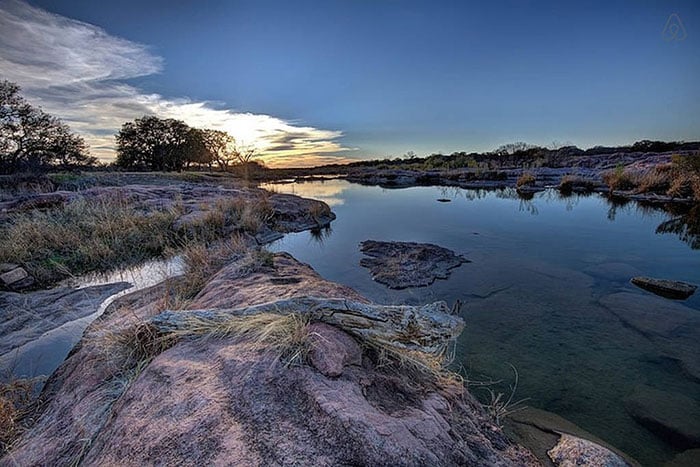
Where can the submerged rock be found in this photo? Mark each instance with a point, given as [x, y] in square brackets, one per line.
[571, 451]
[672, 327]
[689, 458]
[665, 288]
[558, 442]
[673, 417]
[233, 401]
[399, 265]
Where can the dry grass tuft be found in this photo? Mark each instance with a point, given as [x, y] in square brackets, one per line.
[526, 179]
[285, 335]
[319, 210]
[424, 369]
[570, 182]
[82, 236]
[202, 262]
[16, 399]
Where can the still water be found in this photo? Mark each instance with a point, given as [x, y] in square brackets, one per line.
[537, 294]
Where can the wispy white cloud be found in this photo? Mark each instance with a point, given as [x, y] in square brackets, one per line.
[75, 70]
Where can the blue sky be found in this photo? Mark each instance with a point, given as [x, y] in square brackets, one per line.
[331, 79]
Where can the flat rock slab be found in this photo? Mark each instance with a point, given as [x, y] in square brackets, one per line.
[559, 442]
[26, 316]
[666, 288]
[674, 417]
[672, 327]
[400, 265]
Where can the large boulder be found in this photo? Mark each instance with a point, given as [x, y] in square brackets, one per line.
[232, 401]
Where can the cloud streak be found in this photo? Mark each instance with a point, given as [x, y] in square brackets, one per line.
[75, 70]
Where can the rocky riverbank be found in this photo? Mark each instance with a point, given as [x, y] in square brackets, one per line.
[582, 174]
[230, 399]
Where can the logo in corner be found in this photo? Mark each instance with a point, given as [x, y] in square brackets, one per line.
[674, 30]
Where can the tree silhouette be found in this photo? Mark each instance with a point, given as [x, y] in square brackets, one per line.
[31, 139]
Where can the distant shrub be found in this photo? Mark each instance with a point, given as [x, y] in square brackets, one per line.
[570, 182]
[526, 179]
[687, 162]
[619, 179]
[656, 180]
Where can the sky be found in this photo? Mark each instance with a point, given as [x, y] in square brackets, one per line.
[329, 81]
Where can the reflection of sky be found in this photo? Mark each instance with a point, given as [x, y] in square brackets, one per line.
[328, 191]
[532, 291]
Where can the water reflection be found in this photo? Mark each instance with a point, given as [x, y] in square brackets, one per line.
[320, 235]
[328, 191]
[543, 270]
[686, 226]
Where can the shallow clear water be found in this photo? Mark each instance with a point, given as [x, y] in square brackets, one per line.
[41, 356]
[531, 293]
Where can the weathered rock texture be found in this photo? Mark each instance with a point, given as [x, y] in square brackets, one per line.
[428, 329]
[407, 264]
[229, 401]
[14, 277]
[571, 451]
[24, 317]
[666, 288]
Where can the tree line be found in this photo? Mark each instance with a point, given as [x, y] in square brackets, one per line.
[152, 143]
[32, 140]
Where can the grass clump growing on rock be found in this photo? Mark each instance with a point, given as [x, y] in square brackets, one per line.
[15, 401]
[202, 262]
[526, 179]
[619, 179]
[84, 235]
[284, 335]
[569, 183]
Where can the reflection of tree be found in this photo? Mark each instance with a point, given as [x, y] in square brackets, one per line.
[615, 204]
[477, 193]
[529, 206]
[686, 226]
[320, 234]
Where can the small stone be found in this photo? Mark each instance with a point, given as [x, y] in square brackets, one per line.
[5, 267]
[14, 276]
[665, 288]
